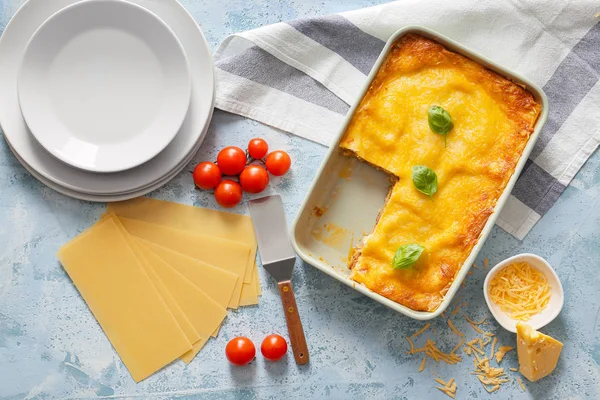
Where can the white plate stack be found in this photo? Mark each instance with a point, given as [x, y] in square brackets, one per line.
[104, 100]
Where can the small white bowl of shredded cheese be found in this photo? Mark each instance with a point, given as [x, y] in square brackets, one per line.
[523, 288]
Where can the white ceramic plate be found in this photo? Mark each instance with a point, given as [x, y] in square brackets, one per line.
[557, 297]
[104, 85]
[106, 198]
[132, 182]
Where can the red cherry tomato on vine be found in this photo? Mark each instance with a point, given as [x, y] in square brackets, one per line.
[273, 347]
[278, 162]
[231, 160]
[228, 194]
[207, 175]
[254, 179]
[257, 148]
[240, 350]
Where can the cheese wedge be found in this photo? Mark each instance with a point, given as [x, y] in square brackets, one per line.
[215, 223]
[123, 299]
[538, 353]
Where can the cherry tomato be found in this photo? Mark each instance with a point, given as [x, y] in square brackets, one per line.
[207, 175]
[273, 347]
[240, 350]
[254, 179]
[257, 148]
[228, 194]
[231, 160]
[278, 162]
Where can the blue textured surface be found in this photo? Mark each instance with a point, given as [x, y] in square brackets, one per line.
[52, 347]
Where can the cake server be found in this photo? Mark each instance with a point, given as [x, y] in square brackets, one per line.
[278, 258]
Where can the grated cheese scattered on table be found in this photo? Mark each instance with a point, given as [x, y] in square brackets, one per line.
[447, 388]
[502, 352]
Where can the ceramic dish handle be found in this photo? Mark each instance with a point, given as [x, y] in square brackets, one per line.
[292, 318]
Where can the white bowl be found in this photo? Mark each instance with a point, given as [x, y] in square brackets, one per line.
[104, 85]
[556, 299]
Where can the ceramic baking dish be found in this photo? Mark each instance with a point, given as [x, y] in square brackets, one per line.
[347, 194]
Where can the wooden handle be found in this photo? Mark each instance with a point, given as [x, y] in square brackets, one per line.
[294, 324]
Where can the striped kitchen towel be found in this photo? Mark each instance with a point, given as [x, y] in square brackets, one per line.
[300, 76]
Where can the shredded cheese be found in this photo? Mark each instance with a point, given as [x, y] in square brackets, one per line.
[476, 328]
[458, 307]
[520, 290]
[412, 346]
[451, 325]
[493, 347]
[448, 389]
[476, 345]
[455, 349]
[423, 329]
[469, 320]
[521, 383]
[432, 351]
[491, 378]
[486, 262]
[502, 350]
[422, 367]
[514, 369]
[493, 389]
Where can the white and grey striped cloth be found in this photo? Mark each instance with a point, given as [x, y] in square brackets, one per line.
[300, 76]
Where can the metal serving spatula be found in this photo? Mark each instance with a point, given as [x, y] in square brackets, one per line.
[278, 258]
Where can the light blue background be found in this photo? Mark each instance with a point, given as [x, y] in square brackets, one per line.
[52, 347]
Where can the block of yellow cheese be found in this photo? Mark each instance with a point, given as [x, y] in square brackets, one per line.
[222, 253]
[538, 353]
[215, 223]
[123, 299]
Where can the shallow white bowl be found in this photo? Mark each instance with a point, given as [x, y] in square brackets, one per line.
[104, 85]
[552, 309]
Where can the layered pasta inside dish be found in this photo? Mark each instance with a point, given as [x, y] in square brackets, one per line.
[492, 118]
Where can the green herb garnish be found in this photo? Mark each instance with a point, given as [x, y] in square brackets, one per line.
[424, 179]
[407, 255]
[440, 121]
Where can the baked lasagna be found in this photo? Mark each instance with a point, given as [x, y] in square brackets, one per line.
[493, 119]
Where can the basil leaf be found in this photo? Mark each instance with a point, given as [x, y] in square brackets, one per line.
[425, 180]
[407, 255]
[440, 121]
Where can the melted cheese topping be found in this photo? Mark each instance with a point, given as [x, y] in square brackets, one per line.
[520, 290]
[493, 119]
